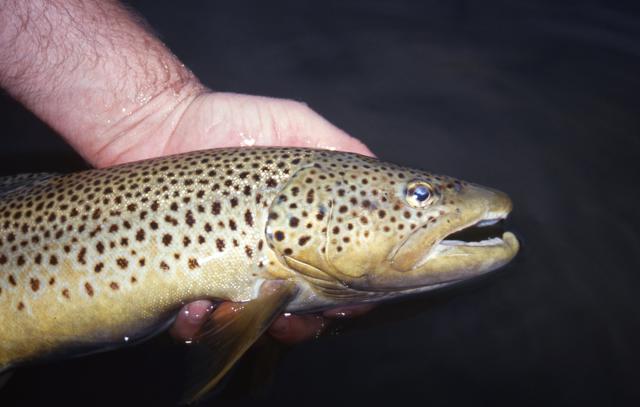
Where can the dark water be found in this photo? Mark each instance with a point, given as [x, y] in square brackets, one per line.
[540, 99]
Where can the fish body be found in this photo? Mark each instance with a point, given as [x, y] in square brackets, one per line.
[105, 256]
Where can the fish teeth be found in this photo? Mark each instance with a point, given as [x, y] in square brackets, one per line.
[494, 241]
[487, 222]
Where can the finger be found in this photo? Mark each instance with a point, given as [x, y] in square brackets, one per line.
[291, 329]
[287, 328]
[348, 311]
[190, 319]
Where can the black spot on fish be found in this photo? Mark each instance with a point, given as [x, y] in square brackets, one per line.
[35, 284]
[122, 262]
[248, 218]
[82, 256]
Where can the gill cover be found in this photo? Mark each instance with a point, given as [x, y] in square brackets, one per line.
[298, 221]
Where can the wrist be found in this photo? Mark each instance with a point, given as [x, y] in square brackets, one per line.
[141, 131]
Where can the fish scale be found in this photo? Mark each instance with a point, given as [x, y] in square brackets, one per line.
[90, 258]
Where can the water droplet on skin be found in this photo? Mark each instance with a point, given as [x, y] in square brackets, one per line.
[246, 141]
[142, 98]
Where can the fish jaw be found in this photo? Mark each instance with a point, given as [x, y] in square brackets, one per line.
[435, 254]
[448, 262]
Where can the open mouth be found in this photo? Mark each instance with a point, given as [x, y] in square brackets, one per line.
[468, 241]
[465, 242]
[488, 232]
[486, 240]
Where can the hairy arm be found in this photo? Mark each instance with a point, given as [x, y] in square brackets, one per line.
[95, 74]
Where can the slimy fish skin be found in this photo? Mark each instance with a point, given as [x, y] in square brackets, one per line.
[90, 258]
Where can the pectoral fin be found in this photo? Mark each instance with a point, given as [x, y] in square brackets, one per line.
[232, 329]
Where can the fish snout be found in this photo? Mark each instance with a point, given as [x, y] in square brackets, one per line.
[462, 239]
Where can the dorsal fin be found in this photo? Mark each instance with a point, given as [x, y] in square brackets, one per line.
[12, 183]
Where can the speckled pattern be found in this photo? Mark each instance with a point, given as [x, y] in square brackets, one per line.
[97, 256]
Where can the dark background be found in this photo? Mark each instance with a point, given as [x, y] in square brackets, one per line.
[537, 98]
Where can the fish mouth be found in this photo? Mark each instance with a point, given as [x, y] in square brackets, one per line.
[466, 241]
[459, 239]
[486, 232]
[472, 249]
[486, 239]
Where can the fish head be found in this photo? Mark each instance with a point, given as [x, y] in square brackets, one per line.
[375, 226]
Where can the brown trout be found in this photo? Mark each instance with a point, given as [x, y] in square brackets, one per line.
[106, 256]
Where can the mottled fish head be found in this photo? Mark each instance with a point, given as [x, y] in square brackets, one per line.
[375, 226]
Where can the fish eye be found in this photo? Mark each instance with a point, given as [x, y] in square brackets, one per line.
[419, 194]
